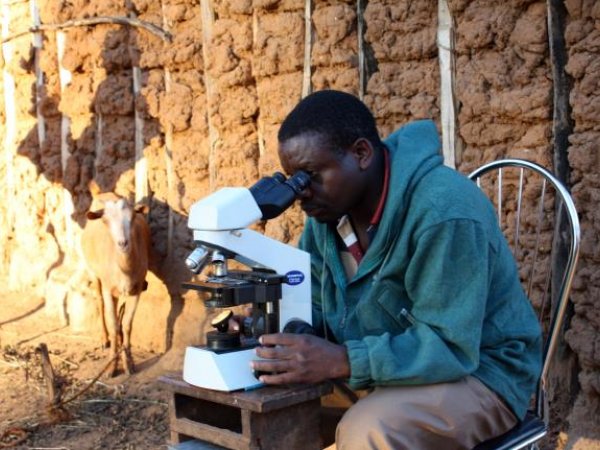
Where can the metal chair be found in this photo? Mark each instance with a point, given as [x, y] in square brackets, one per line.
[540, 238]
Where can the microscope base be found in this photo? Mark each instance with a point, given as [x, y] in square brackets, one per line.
[221, 371]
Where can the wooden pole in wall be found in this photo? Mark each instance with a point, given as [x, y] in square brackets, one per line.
[38, 46]
[98, 141]
[39, 76]
[90, 21]
[260, 126]
[168, 152]
[445, 36]
[208, 19]
[141, 163]
[563, 386]
[64, 77]
[360, 19]
[10, 120]
[306, 79]
[562, 125]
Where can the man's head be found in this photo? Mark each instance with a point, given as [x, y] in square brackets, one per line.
[340, 117]
[332, 136]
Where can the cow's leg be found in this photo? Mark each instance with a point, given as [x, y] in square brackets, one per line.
[105, 341]
[130, 307]
[110, 319]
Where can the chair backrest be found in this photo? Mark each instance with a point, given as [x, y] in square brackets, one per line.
[539, 219]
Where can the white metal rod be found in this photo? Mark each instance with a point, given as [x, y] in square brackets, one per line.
[518, 215]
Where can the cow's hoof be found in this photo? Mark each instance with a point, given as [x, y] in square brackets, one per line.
[112, 369]
[128, 364]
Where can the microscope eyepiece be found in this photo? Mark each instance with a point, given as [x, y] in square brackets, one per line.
[299, 181]
[278, 177]
[275, 194]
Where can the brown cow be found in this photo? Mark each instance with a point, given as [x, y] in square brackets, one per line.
[116, 246]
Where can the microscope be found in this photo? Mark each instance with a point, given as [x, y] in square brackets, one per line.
[276, 282]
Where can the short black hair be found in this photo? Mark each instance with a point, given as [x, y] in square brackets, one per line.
[340, 117]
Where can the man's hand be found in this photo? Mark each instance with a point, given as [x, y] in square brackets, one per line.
[300, 358]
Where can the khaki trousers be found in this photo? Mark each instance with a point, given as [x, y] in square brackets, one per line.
[445, 416]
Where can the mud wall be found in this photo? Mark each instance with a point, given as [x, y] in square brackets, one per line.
[170, 112]
[582, 36]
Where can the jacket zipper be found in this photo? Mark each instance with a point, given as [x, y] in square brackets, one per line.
[343, 321]
[408, 316]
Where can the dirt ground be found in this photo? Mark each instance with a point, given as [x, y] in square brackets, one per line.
[122, 413]
[126, 412]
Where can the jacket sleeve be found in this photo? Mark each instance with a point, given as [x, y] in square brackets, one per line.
[446, 281]
[307, 243]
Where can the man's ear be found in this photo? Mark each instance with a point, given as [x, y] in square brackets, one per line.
[363, 151]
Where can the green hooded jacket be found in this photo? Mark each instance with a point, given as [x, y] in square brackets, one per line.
[437, 295]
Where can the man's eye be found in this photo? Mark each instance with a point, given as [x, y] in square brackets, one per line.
[315, 177]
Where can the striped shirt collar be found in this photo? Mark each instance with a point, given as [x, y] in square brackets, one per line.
[345, 228]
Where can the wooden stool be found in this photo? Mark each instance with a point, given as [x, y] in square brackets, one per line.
[267, 418]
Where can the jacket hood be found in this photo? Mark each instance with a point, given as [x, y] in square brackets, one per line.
[414, 151]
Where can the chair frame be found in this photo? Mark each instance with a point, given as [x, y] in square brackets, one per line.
[558, 315]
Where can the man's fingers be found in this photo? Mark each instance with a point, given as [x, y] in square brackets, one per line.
[270, 365]
[274, 371]
[280, 339]
[271, 352]
[279, 378]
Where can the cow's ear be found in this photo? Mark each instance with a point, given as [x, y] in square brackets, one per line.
[93, 215]
[142, 208]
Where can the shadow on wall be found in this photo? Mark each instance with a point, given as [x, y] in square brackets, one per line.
[105, 152]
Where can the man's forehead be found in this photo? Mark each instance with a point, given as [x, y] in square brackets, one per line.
[305, 143]
[306, 152]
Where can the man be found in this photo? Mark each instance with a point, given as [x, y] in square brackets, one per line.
[415, 291]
